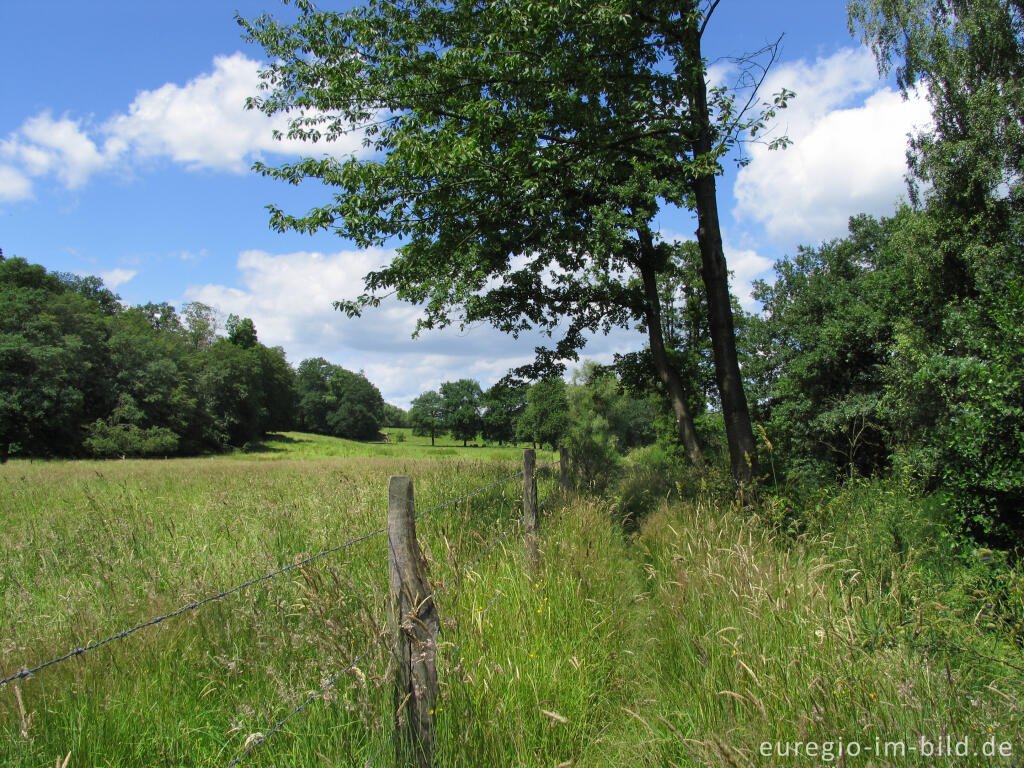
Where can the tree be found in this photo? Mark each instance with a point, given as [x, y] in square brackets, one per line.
[200, 325]
[823, 348]
[427, 415]
[960, 361]
[521, 152]
[395, 416]
[460, 408]
[503, 404]
[358, 407]
[52, 361]
[241, 331]
[335, 401]
[546, 417]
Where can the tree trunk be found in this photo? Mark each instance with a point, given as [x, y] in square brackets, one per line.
[738, 430]
[668, 375]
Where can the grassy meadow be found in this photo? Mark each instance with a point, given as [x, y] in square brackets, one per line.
[691, 641]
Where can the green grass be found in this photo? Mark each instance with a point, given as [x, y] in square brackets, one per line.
[688, 643]
[400, 443]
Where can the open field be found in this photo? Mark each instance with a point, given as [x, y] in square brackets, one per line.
[689, 643]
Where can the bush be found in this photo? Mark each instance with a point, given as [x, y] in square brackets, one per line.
[592, 453]
[110, 440]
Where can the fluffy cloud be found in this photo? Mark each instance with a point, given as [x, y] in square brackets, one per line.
[848, 154]
[289, 297]
[746, 266]
[14, 185]
[204, 123]
[62, 147]
[114, 277]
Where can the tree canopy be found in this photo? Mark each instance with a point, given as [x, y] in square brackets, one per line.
[520, 152]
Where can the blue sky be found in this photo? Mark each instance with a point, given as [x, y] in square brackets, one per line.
[125, 152]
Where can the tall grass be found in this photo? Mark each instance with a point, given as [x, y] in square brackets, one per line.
[692, 640]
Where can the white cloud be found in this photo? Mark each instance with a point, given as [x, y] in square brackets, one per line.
[289, 297]
[848, 154]
[14, 185]
[746, 266]
[112, 278]
[63, 147]
[204, 123]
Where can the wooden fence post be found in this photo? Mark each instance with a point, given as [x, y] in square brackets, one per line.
[530, 516]
[563, 468]
[414, 629]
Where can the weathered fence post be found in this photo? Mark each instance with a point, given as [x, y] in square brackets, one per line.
[530, 516]
[563, 468]
[414, 632]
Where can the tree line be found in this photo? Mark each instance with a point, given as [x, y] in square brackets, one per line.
[83, 375]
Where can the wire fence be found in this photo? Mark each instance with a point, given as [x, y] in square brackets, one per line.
[444, 587]
[237, 588]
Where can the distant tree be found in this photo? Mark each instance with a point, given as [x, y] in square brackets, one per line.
[200, 322]
[52, 362]
[461, 406]
[546, 417]
[277, 386]
[358, 407]
[150, 385]
[427, 415]
[241, 331]
[502, 406]
[395, 416]
[334, 401]
[312, 378]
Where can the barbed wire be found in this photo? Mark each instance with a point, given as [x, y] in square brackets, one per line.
[472, 493]
[444, 588]
[227, 592]
[191, 606]
[309, 699]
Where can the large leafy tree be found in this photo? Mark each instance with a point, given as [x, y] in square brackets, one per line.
[426, 415]
[461, 404]
[502, 404]
[335, 401]
[52, 360]
[520, 152]
[546, 417]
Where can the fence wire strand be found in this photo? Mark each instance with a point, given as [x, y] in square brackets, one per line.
[225, 593]
[309, 699]
[472, 493]
[465, 568]
[190, 607]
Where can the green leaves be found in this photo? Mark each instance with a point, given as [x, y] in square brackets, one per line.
[549, 131]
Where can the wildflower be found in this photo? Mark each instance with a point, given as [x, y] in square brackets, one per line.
[820, 634]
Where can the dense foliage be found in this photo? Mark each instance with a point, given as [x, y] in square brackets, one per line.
[900, 346]
[82, 375]
[335, 401]
[521, 153]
